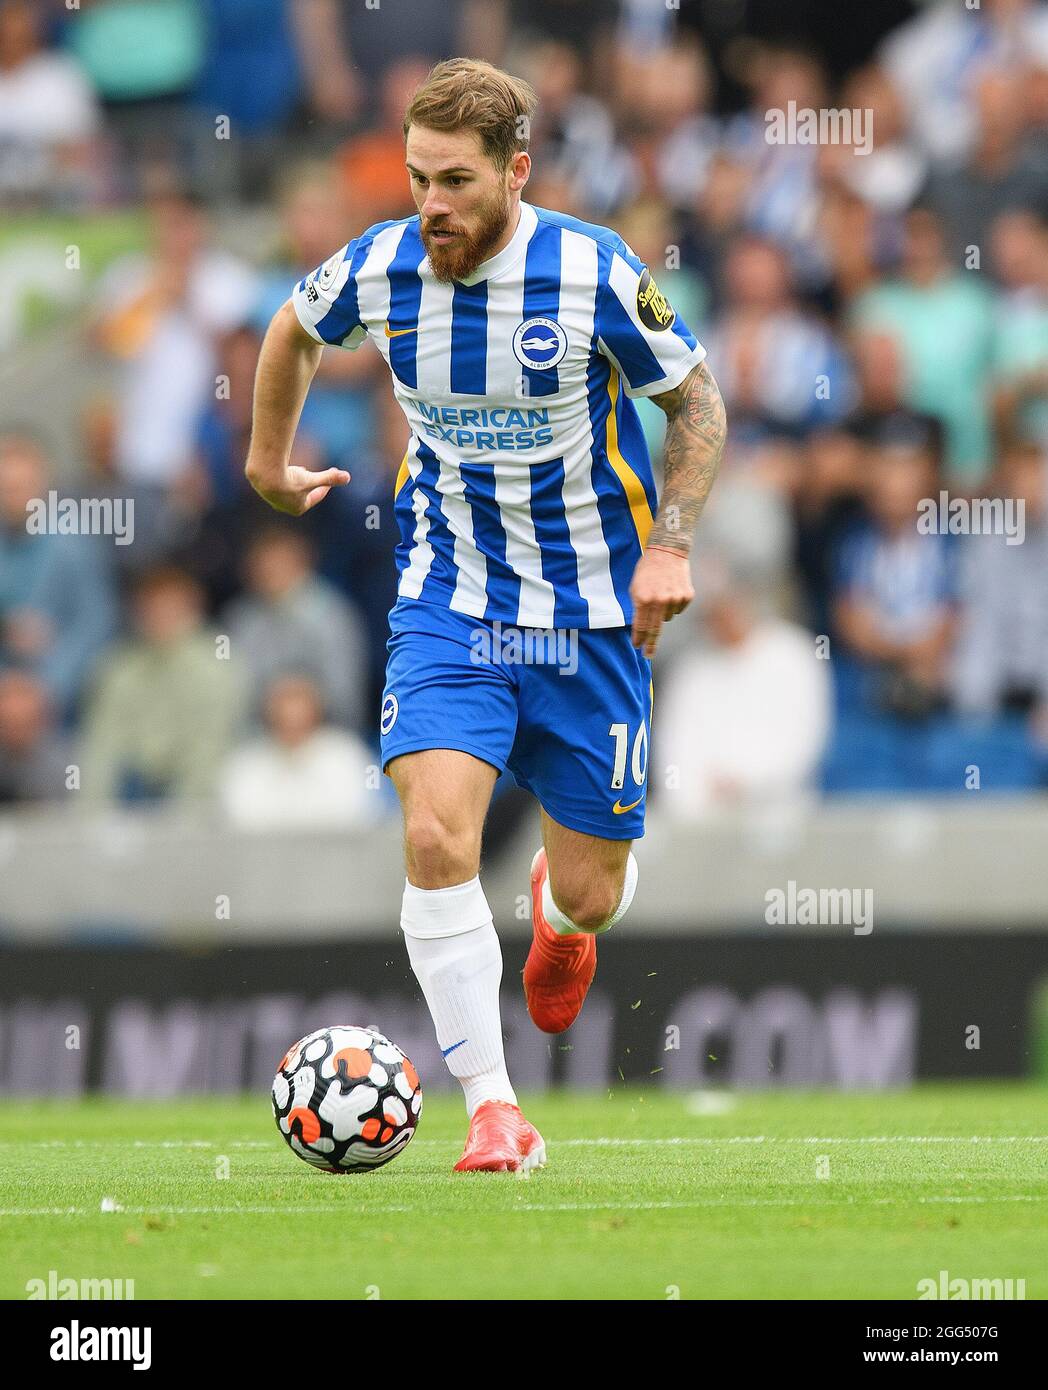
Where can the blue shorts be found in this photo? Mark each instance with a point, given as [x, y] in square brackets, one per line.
[568, 712]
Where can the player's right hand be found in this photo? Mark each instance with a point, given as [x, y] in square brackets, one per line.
[296, 490]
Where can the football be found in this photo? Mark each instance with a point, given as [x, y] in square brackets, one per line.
[346, 1099]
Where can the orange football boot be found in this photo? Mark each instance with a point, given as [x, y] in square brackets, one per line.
[500, 1140]
[559, 969]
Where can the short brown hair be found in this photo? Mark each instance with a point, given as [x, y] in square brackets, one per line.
[469, 94]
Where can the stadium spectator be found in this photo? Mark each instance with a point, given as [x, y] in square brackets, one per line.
[1019, 253]
[335, 89]
[143, 60]
[849, 235]
[648, 227]
[1004, 171]
[827, 505]
[664, 101]
[348, 49]
[716, 221]
[354, 540]
[209, 510]
[881, 410]
[552, 188]
[252, 70]
[942, 319]
[225, 427]
[96, 479]
[301, 774]
[771, 354]
[166, 704]
[49, 115]
[150, 51]
[644, 27]
[34, 755]
[573, 135]
[720, 740]
[889, 176]
[937, 58]
[259, 75]
[57, 606]
[782, 195]
[160, 315]
[895, 600]
[290, 620]
[590, 26]
[1002, 646]
[371, 163]
[315, 216]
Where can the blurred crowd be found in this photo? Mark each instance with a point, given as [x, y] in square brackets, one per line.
[877, 320]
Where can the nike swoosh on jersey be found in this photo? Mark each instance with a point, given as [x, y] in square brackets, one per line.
[620, 810]
[399, 332]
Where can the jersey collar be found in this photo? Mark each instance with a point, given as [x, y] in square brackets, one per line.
[510, 253]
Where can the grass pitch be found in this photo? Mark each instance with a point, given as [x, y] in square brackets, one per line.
[647, 1195]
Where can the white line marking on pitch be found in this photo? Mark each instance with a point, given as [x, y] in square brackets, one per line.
[367, 1209]
[595, 1142]
[818, 1139]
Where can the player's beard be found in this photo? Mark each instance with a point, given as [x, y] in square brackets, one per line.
[458, 259]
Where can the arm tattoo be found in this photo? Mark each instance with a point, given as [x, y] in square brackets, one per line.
[694, 444]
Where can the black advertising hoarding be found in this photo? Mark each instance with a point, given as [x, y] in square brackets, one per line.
[722, 1010]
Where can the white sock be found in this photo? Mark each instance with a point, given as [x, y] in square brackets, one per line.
[455, 954]
[565, 926]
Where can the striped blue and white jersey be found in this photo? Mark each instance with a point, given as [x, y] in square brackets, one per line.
[526, 493]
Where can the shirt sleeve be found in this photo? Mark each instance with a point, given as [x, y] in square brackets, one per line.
[639, 331]
[326, 301]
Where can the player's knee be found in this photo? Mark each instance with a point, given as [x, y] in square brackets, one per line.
[589, 908]
[440, 852]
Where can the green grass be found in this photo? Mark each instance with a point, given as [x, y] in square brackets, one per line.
[722, 1214]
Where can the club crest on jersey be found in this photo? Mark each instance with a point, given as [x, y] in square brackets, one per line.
[540, 343]
[329, 270]
[388, 717]
[653, 310]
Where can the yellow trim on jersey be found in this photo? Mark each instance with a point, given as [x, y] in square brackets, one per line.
[403, 475]
[631, 484]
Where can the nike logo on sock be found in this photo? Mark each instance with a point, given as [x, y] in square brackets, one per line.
[445, 1050]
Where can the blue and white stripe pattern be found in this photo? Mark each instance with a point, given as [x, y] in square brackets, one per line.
[526, 493]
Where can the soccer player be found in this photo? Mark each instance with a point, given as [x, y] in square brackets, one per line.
[515, 338]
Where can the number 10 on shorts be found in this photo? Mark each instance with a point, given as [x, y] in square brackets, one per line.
[621, 734]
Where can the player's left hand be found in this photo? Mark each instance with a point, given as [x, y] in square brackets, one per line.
[661, 588]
